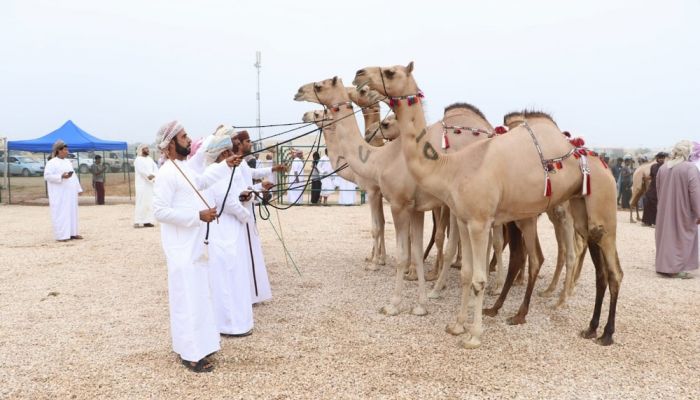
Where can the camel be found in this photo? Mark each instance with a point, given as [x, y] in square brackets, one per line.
[558, 215]
[374, 196]
[640, 183]
[462, 124]
[371, 113]
[506, 179]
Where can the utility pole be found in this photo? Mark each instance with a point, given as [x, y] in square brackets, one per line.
[258, 66]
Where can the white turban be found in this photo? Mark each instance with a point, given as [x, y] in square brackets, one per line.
[681, 152]
[216, 145]
[58, 145]
[140, 149]
[225, 131]
[166, 133]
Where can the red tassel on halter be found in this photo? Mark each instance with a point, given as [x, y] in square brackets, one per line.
[586, 187]
[445, 141]
[547, 186]
[457, 131]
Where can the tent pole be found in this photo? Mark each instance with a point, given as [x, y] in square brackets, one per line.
[46, 185]
[77, 154]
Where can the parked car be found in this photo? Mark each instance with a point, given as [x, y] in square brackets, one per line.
[115, 162]
[85, 163]
[22, 165]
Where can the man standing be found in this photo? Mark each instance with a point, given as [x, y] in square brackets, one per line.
[146, 170]
[678, 190]
[63, 188]
[260, 284]
[650, 199]
[228, 244]
[327, 184]
[625, 182]
[98, 180]
[180, 208]
[295, 179]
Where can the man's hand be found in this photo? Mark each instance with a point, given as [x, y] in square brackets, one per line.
[267, 185]
[150, 177]
[67, 175]
[208, 215]
[245, 195]
[279, 168]
[234, 160]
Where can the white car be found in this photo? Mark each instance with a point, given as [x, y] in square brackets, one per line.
[85, 163]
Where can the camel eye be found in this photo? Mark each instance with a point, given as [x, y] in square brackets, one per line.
[389, 73]
[317, 86]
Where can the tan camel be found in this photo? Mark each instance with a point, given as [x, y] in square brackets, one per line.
[374, 196]
[507, 179]
[559, 215]
[370, 111]
[462, 124]
[640, 183]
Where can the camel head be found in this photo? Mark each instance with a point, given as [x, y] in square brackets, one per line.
[326, 92]
[388, 81]
[390, 127]
[363, 96]
[316, 116]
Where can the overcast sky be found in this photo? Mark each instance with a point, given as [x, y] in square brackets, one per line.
[619, 73]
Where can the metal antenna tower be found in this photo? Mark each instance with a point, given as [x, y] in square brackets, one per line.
[258, 66]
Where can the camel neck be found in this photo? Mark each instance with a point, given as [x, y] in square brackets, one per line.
[421, 156]
[357, 153]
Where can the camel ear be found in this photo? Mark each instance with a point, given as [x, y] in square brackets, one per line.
[409, 68]
[335, 80]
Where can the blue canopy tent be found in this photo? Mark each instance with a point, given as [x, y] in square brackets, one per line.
[76, 139]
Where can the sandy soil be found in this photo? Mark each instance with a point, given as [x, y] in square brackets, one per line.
[89, 318]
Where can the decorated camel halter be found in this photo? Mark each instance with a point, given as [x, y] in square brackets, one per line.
[499, 130]
[394, 101]
[553, 164]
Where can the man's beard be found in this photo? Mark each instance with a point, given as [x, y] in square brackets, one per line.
[183, 151]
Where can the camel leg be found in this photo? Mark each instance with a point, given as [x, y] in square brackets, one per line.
[556, 219]
[498, 241]
[581, 247]
[441, 223]
[401, 224]
[614, 279]
[600, 288]
[450, 252]
[515, 263]
[478, 232]
[378, 256]
[569, 236]
[529, 229]
[457, 328]
[417, 218]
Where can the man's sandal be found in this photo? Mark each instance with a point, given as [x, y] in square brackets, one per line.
[202, 365]
[76, 237]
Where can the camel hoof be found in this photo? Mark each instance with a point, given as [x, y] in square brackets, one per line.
[455, 329]
[431, 276]
[489, 312]
[457, 265]
[545, 293]
[515, 320]
[434, 294]
[588, 333]
[419, 310]
[390, 310]
[382, 261]
[494, 292]
[372, 267]
[605, 340]
[411, 276]
[519, 282]
[471, 342]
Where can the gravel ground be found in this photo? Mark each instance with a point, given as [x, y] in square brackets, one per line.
[89, 318]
